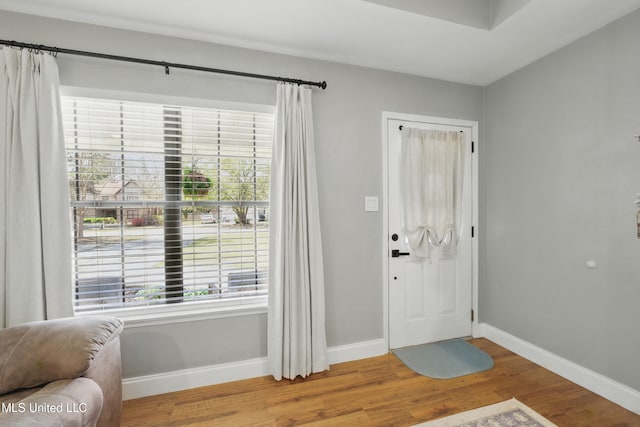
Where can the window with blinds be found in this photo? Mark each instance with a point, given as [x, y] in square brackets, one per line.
[169, 203]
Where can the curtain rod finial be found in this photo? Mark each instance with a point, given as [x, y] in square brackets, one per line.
[323, 85]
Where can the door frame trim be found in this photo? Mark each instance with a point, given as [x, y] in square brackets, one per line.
[386, 116]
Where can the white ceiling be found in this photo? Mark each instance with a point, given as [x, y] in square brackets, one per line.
[355, 32]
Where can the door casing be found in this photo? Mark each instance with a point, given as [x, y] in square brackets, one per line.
[386, 117]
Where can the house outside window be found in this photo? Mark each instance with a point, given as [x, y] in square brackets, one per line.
[148, 173]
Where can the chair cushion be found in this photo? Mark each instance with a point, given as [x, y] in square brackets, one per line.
[36, 353]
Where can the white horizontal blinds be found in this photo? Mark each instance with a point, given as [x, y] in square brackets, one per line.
[170, 203]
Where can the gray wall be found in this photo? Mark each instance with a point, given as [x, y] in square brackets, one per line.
[561, 171]
[347, 117]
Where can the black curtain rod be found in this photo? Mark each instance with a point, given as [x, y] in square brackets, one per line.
[166, 65]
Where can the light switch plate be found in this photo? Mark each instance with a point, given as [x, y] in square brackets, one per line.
[371, 204]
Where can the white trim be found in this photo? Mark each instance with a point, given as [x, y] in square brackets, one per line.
[120, 95]
[604, 386]
[386, 116]
[357, 351]
[134, 317]
[475, 176]
[167, 382]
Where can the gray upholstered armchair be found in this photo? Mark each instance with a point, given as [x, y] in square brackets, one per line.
[63, 372]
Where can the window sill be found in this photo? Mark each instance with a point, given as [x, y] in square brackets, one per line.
[185, 312]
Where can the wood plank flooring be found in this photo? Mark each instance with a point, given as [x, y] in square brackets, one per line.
[379, 391]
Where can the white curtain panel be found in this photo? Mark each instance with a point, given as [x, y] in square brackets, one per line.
[296, 332]
[432, 165]
[35, 226]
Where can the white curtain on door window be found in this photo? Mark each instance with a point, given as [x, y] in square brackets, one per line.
[432, 165]
[296, 332]
[35, 226]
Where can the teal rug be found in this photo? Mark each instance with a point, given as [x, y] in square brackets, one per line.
[445, 359]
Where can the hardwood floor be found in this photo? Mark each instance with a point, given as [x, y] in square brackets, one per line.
[379, 391]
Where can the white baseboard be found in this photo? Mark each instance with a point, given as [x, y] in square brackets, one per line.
[167, 382]
[606, 387]
[357, 351]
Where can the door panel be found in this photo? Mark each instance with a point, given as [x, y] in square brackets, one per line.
[428, 301]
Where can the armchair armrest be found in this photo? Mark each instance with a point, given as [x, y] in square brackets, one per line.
[36, 353]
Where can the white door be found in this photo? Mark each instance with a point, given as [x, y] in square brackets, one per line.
[428, 301]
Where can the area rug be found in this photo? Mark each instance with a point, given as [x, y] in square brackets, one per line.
[510, 413]
[445, 359]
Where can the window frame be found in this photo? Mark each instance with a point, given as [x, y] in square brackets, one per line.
[185, 311]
